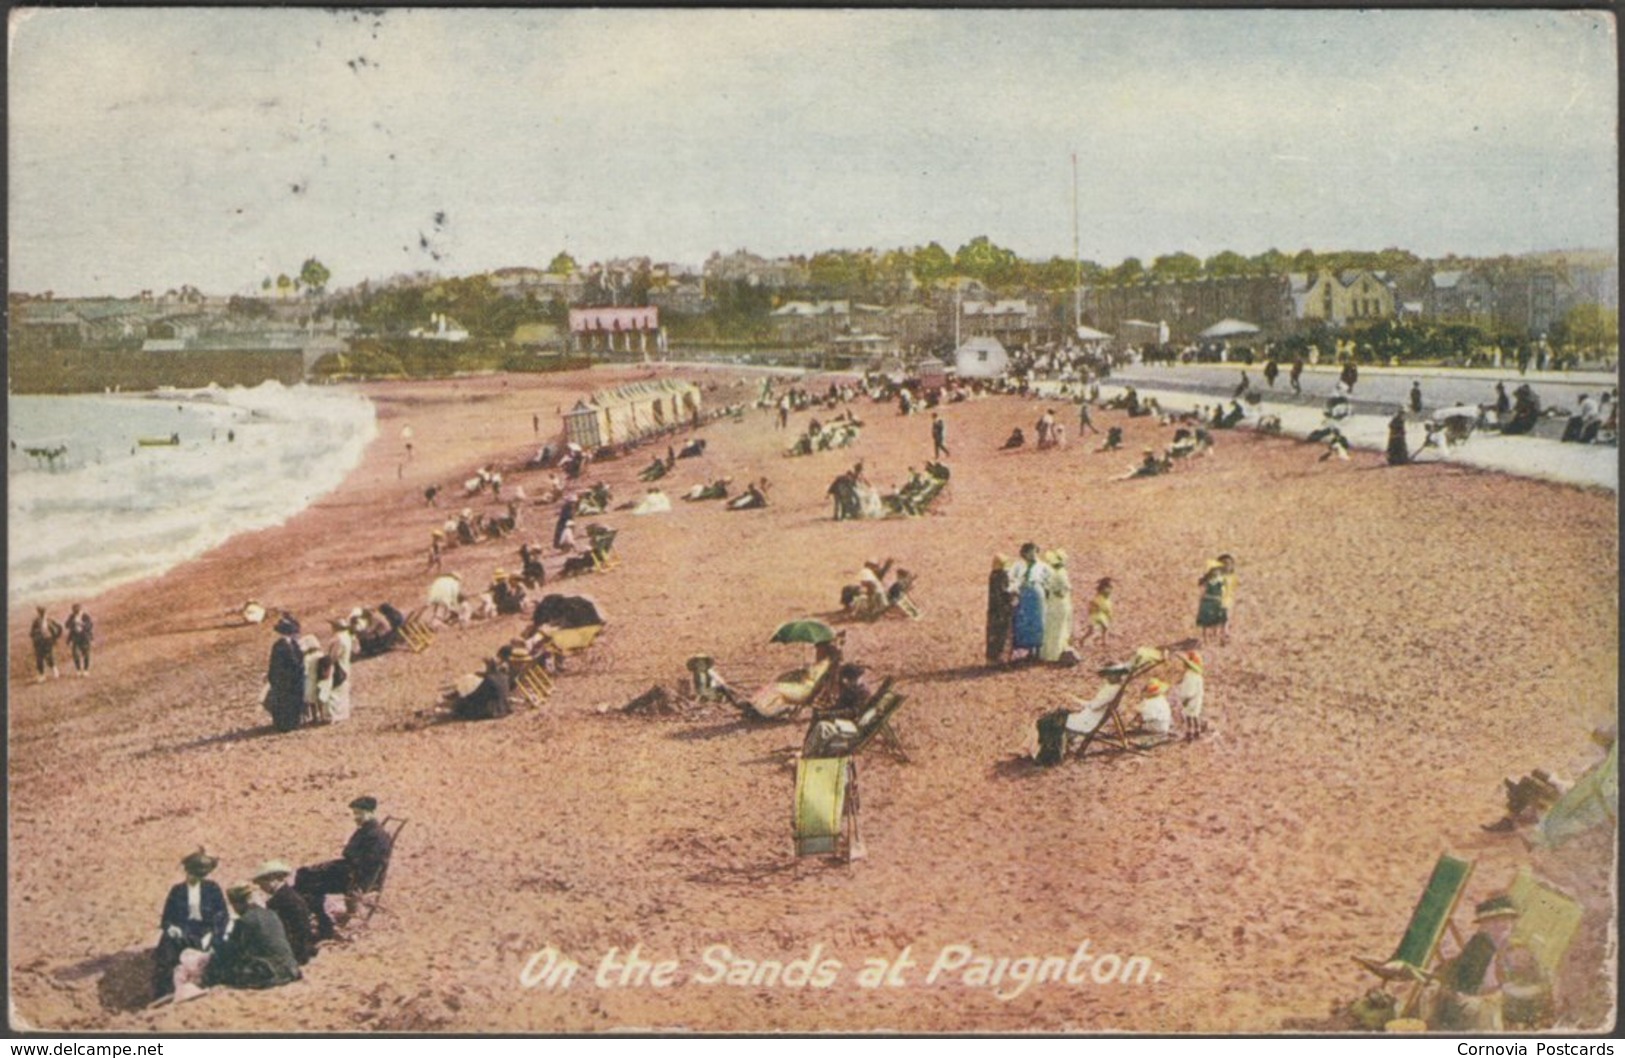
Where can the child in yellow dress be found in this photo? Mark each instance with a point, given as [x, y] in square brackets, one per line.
[1100, 612]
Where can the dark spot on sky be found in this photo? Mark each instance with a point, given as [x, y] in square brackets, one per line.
[440, 218]
[423, 241]
[298, 189]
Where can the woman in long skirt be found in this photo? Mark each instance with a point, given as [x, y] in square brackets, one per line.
[1210, 612]
[1029, 577]
[1057, 608]
[998, 611]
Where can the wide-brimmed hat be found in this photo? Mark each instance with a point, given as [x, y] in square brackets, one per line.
[199, 863]
[271, 869]
[365, 803]
[1191, 660]
[287, 626]
[1115, 672]
[1154, 688]
[498, 574]
[1499, 906]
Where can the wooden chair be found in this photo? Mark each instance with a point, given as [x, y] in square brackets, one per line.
[1415, 957]
[603, 550]
[371, 898]
[535, 683]
[875, 722]
[416, 633]
[1548, 919]
[567, 642]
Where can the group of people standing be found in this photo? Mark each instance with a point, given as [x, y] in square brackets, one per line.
[45, 632]
[1029, 607]
[306, 683]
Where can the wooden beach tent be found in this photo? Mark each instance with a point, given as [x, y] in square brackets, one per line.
[630, 412]
[981, 357]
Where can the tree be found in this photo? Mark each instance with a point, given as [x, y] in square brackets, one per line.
[1175, 267]
[283, 284]
[265, 284]
[1271, 262]
[1226, 264]
[982, 259]
[314, 275]
[1130, 271]
[1305, 261]
[562, 265]
[1586, 327]
[932, 263]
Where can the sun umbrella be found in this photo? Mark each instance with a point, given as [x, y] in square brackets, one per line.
[1229, 328]
[805, 630]
[1089, 334]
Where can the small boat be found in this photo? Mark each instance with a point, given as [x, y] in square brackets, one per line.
[158, 442]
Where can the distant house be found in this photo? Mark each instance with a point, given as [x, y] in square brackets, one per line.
[442, 328]
[809, 321]
[981, 357]
[1343, 297]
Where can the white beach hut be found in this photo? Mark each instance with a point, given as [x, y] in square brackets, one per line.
[981, 357]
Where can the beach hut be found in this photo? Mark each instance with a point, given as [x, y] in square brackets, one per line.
[629, 412]
[981, 357]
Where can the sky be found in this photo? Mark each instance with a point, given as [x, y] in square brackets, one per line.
[150, 148]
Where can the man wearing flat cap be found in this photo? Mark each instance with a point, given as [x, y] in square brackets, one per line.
[255, 953]
[194, 919]
[1470, 985]
[285, 700]
[357, 871]
[284, 901]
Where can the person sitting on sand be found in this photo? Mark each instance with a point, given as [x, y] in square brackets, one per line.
[1015, 440]
[715, 489]
[531, 569]
[255, 952]
[282, 899]
[1150, 466]
[654, 501]
[897, 595]
[1113, 441]
[754, 496]
[490, 698]
[1156, 715]
[193, 919]
[356, 871]
[707, 683]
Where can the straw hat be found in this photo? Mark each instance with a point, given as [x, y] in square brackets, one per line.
[1500, 906]
[1154, 688]
[1192, 660]
[272, 869]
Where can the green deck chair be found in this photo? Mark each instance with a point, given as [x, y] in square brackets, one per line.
[1418, 948]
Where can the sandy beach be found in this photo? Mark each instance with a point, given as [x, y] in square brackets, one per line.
[1404, 639]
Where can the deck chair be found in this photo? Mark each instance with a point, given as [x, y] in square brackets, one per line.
[1111, 730]
[415, 632]
[820, 820]
[565, 642]
[371, 898]
[535, 683]
[875, 722]
[1413, 960]
[1548, 919]
[603, 550]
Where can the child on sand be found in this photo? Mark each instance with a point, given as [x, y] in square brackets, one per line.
[1100, 613]
[1191, 694]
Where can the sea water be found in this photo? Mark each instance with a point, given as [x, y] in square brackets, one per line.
[90, 507]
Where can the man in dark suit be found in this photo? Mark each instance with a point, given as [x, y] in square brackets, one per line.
[357, 871]
[256, 953]
[285, 700]
[285, 902]
[194, 917]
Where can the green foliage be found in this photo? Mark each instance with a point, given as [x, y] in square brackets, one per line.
[563, 265]
[1130, 271]
[1176, 267]
[314, 275]
[841, 273]
[1227, 264]
[1586, 328]
[983, 260]
[932, 263]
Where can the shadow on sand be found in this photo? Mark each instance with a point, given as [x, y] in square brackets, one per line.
[240, 735]
[125, 983]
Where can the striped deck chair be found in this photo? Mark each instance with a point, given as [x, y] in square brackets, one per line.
[565, 642]
[535, 683]
[1418, 949]
[415, 632]
[820, 822]
[1548, 919]
[603, 550]
[875, 722]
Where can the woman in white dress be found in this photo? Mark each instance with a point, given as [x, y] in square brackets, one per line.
[1057, 608]
[340, 652]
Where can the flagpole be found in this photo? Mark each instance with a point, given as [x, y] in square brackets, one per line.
[1077, 259]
